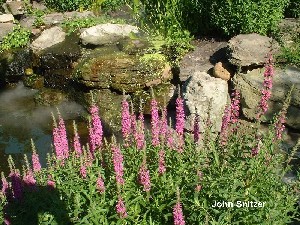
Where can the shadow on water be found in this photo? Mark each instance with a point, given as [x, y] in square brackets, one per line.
[21, 119]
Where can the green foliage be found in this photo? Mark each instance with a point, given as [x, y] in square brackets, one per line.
[71, 5]
[293, 9]
[19, 37]
[208, 16]
[290, 55]
[71, 25]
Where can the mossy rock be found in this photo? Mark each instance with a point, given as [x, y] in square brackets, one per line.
[33, 81]
[122, 72]
[49, 97]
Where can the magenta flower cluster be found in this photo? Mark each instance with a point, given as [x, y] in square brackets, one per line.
[120, 208]
[126, 121]
[60, 140]
[196, 129]
[100, 184]
[36, 162]
[266, 91]
[161, 162]
[144, 177]
[76, 142]
[118, 164]
[178, 214]
[95, 129]
[235, 107]
[155, 123]
[279, 125]
[180, 121]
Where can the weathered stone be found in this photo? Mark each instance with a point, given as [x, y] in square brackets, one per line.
[220, 72]
[107, 68]
[33, 81]
[251, 84]
[250, 49]
[202, 58]
[133, 46]
[6, 18]
[49, 97]
[206, 96]
[6, 28]
[106, 33]
[16, 7]
[48, 38]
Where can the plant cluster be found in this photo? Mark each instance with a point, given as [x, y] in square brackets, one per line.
[160, 176]
[72, 25]
[228, 17]
[293, 9]
[19, 37]
[290, 55]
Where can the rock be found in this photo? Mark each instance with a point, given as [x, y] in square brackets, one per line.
[6, 28]
[220, 72]
[109, 68]
[106, 33]
[48, 38]
[250, 86]
[49, 97]
[33, 81]
[6, 18]
[38, 6]
[16, 7]
[250, 49]
[202, 58]
[205, 95]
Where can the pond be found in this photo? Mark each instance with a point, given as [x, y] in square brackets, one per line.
[21, 119]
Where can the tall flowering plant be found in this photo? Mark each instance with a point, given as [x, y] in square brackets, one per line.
[95, 129]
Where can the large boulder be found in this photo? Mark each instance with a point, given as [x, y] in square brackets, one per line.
[202, 58]
[106, 33]
[109, 68]
[48, 38]
[16, 7]
[250, 49]
[6, 18]
[251, 84]
[6, 28]
[205, 95]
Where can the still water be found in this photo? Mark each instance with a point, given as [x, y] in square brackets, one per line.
[21, 119]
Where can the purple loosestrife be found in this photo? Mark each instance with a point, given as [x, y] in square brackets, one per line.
[118, 164]
[256, 149]
[279, 126]
[100, 184]
[155, 122]
[196, 129]
[76, 142]
[95, 129]
[178, 214]
[266, 91]
[50, 182]
[126, 121]
[163, 126]
[57, 144]
[35, 159]
[83, 171]
[16, 183]
[120, 208]
[180, 123]
[140, 133]
[63, 136]
[29, 179]
[225, 125]
[235, 107]
[161, 162]
[5, 185]
[144, 177]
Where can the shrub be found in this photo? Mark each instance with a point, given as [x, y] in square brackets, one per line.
[293, 9]
[19, 37]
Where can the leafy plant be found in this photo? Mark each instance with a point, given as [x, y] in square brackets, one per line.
[19, 37]
[293, 9]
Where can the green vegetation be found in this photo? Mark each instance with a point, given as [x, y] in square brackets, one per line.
[71, 25]
[290, 55]
[16, 39]
[293, 9]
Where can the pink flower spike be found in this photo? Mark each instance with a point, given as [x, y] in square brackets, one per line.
[180, 121]
[5, 185]
[118, 164]
[126, 121]
[16, 184]
[76, 141]
[178, 214]
[95, 129]
[63, 137]
[140, 135]
[100, 184]
[155, 123]
[35, 159]
[83, 172]
[29, 179]
[144, 177]
[161, 162]
[196, 129]
[121, 208]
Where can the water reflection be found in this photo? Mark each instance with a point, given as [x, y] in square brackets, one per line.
[21, 119]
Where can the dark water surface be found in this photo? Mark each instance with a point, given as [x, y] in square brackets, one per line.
[21, 119]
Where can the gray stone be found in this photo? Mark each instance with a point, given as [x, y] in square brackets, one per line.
[289, 30]
[48, 38]
[250, 86]
[250, 49]
[6, 28]
[6, 18]
[106, 33]
[205, 95]
[202, 58]
[16, 7]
